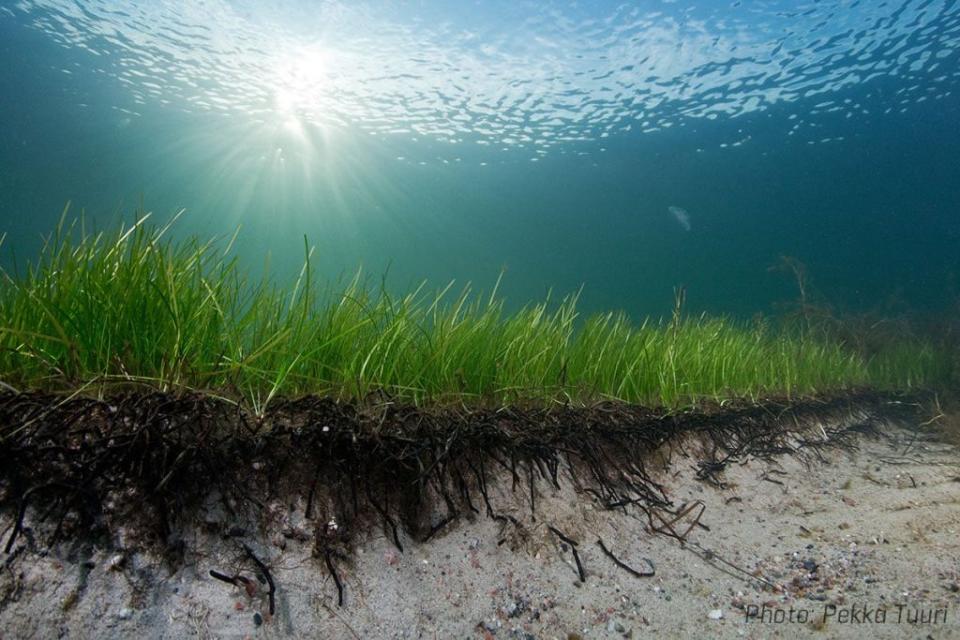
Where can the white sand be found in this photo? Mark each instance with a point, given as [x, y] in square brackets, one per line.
[876, 529]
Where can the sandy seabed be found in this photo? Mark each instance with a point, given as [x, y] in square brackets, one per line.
[862, 543]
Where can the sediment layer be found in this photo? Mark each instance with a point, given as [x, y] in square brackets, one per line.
[147, 460]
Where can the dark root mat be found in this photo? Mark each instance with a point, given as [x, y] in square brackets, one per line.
[80, 466]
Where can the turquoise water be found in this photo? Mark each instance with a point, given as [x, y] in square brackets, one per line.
[629, 148]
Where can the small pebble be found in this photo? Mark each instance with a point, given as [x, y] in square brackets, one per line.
[257, 619]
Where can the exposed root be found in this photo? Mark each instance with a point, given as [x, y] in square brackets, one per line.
[150, 461]
[573, 548]
[272, 588]
[617, 561]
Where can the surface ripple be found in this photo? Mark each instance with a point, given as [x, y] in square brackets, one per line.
[510, 73]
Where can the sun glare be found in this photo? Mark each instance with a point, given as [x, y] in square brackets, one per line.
[300, 81]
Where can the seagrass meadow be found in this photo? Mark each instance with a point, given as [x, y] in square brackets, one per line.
[135, 309]
[150, 387]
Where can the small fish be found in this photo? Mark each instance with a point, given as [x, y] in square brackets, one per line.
[681, 215]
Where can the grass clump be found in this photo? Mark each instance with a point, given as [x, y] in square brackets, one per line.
[135, 306]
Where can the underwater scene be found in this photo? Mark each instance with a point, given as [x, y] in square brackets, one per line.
[300, 299]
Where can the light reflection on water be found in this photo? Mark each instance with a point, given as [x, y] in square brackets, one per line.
[509, 74]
